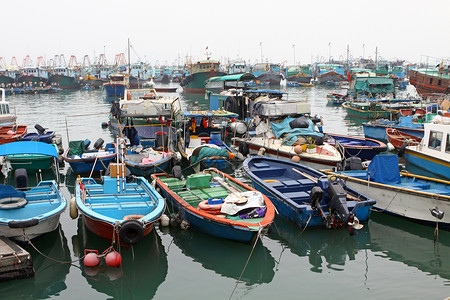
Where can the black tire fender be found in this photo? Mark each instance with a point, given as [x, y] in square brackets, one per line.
[402, 149]
[131, 232]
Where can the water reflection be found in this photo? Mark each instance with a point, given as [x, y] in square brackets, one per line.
[144, 266]
[211, 253]
[49, 278]
[410, 243]
[325, 248]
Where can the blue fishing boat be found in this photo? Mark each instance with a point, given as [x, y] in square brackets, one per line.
[307, 197]
[145, 159]
[217, 204]
[84, 160]
[116, 85]
[354, 146]
[119, 208]
[377, 129]
[28, 212]
[42, 135]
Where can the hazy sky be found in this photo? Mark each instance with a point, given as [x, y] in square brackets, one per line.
[162, 31]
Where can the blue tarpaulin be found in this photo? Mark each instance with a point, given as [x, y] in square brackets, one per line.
[7, 191]
[28, 147]
[384, 169]
[279, 129]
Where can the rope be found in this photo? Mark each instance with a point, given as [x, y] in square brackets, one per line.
[246, 263]
[48, 257]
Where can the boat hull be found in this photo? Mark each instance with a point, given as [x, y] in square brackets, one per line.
[351, 146]
[114, 90]
[433, 166]
[44, 226]
[64, 82]
[378, 131]
[404, 203]
[195, 83]
[30, 162]
[365, 114]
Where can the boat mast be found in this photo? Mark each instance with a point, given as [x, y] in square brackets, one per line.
[129, 62]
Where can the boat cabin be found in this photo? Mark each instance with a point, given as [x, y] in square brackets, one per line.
[436, 140]
[6, 118]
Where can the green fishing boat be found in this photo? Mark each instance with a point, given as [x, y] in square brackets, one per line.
[199, 73]
[366, 110]
[31, 162]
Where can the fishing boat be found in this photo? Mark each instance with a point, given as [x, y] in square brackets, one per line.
[429, 81]
[367, 110]
[6, 116]
[400, 139]
[268, 72]
[330, 73]
[28, 212]
[207, 150]
[291, 139]
[418, 198]
[199, 73]
[12, 133]
[116, 85]
[431, 155]
[119, 209]
[29, 161]
[307, 197]
[147, 157]
[33, 77]
[42, 135]
[377, 129]
[336, 99]
[217, 204]
[84, 160]
[64, 78]
[354, 146]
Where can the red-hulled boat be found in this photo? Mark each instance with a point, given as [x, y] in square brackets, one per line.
[12, 133]
[398, 138]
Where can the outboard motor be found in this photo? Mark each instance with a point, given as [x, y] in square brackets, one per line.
[337, 200]
[353, 163]
[99, 143]
[20, 179]
[315, 197]
[39, 129]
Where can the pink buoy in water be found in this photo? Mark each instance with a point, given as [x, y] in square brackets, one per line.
[113, 259]
[91, 259]
[296, 159]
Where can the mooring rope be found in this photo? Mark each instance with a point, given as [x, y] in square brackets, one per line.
[246, 263]
[48, 257]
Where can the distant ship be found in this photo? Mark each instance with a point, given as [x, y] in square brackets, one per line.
[200, 72]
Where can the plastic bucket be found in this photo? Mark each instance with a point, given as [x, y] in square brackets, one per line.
[161, 140]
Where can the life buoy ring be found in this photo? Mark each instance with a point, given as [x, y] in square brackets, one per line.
[12, 202]
[131, 232]
[209, 207]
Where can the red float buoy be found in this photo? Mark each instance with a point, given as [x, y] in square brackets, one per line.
[113, 259]
[91, 259]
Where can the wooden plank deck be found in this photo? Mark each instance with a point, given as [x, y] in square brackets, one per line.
[15, 262]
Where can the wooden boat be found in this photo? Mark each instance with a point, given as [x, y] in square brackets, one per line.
[84, 160]
[377, 129]
[399, 138]
[28, 212]
[118, 209]
[351, 146]
[336, 99]
[421, 199]
[307, 197]
[429, 81]
[432, 154]
[218, 204]
[12, 133]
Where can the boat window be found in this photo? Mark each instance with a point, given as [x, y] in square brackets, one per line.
[439, 82]
[2, 109]
[7, 111]
[435, 140]
[447, 146]
[431, 80]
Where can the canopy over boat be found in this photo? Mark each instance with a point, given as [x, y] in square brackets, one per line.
[28, 147]
[234, 77]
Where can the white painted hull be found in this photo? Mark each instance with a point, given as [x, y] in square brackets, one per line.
[44, 226]
[405, 203]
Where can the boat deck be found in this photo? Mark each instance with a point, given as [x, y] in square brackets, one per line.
[193, 196]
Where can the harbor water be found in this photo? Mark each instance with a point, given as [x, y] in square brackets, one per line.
[390, 258]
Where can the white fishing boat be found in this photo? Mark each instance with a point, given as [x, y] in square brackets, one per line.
[421, 199]
[6, 116]
[433, 153]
